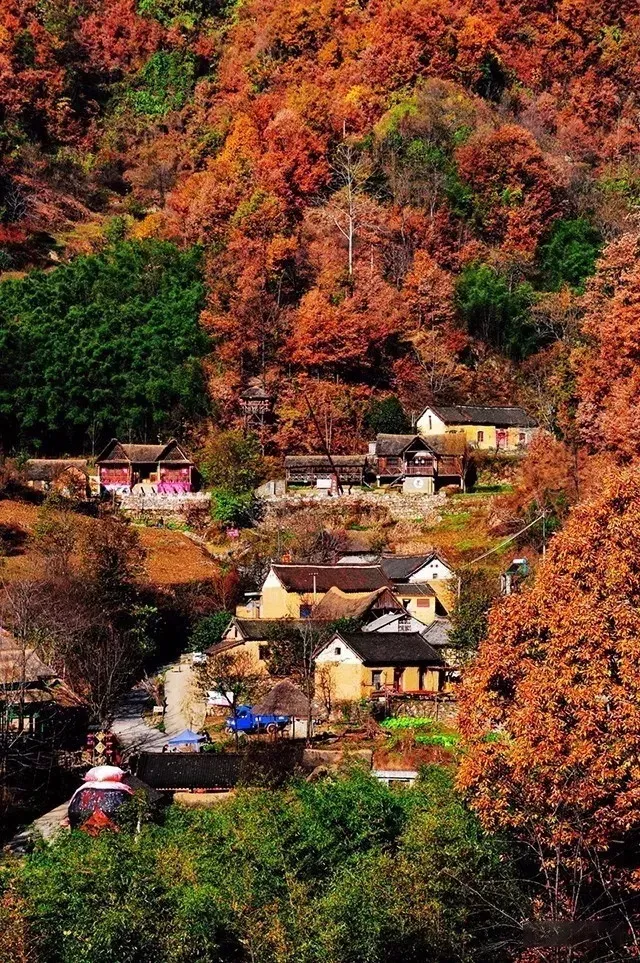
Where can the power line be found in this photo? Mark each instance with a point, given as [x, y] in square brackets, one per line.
[508, 540]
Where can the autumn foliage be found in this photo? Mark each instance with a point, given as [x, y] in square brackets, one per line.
[390, 195]
[551, 709]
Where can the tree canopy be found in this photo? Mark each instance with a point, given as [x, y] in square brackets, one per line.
[551, 711]
[107, 345]
[339, 871]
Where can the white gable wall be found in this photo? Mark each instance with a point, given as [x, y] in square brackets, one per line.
[429, 423]
[345, 655]
[434, 570]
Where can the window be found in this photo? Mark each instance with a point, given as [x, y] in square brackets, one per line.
[522, 437]
[430, 425]
[263, 652]
[423, 603]
[337, 650]
[404, 624]
[405, 603]
[480, 437]
[305, 611]
[376, 678]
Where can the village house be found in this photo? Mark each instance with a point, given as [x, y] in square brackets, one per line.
[292, 591]
[255, 635]
[33, 699]
[421, 583]
[164, 469]
[485, 427]
[422, 465]
[317, 470]
[70, 477]
[514, 576]
[357, 665]
[407, 569]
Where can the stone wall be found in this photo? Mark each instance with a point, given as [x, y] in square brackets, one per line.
[152, 508]
[400, 507]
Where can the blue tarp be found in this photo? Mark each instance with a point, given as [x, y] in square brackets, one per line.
[186, 738]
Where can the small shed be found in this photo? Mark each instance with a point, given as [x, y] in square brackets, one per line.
[311, 469]
[186, 741]
[69, 476]
[286, 699]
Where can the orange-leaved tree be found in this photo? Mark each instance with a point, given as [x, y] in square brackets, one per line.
[550, 713]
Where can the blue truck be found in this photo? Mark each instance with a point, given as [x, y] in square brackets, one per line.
[247, 721]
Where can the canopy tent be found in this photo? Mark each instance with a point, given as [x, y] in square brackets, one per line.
[187, 739]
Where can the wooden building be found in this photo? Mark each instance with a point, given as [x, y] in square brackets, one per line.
[68, 476]
[34, 701]
[486, 427]
[166, 469]
[312, 469]
[421, 465]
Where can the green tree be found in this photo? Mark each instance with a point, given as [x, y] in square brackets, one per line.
[342, 870]
[107, 345]
[386, 415]
[477, 592]
[208, 631]
[496, 310]
[232, 461]
[569, 254]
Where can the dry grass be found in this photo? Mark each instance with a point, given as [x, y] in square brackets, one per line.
[172, 558]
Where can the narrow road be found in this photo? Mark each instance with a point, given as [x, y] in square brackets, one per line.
[184, 710]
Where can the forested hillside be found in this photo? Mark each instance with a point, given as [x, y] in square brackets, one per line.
[356, 199]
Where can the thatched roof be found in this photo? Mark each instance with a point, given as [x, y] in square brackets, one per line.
[47, 469]
[20, 665]
[337, 604]
[285, 699]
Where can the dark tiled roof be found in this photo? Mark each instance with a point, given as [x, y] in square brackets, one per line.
[321, 461]
[392, 648]
[501, 417]
[437, 634]
[46, 469]
[400, 567]
[189, 770]
[394, 445]
[414, 590]
[349, 578]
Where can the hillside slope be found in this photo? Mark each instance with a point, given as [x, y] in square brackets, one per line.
[393, 197]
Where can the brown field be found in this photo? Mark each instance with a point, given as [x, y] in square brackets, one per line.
[172, 558]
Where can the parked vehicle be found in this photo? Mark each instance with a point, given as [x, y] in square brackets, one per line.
[247, 722]
[198, 658]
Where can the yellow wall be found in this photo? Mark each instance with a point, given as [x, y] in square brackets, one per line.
[350, 682]
[277, 603]
[423, 613]
[470, 433]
